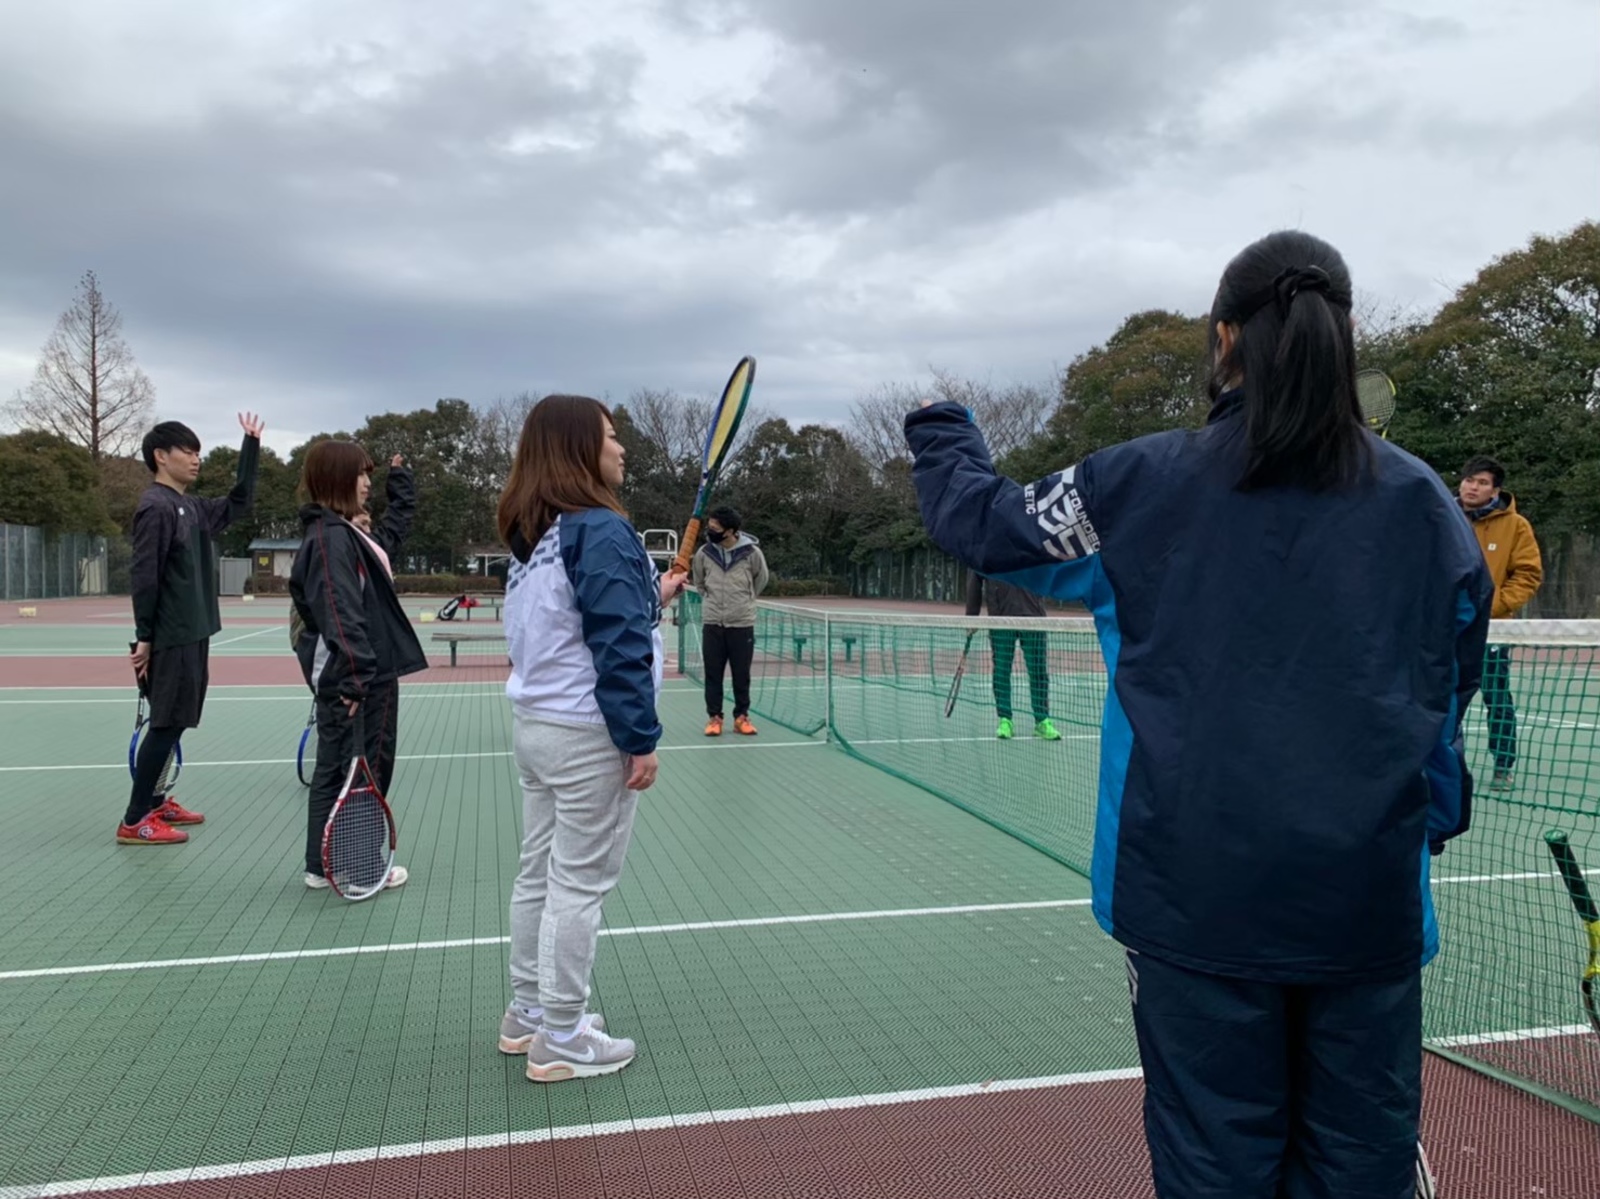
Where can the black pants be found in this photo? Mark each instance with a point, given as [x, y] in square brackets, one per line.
[1035, 648]
[1263, 1091]
[335, 749]
[154, 747]
[1502, 711]
[725, 647]
[176, 684]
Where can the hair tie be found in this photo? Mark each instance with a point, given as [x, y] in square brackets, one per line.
[1294, 280]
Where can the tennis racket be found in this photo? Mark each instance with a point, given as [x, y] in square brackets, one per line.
[1375, 393]
[1588, 912]
[955, 683]
[1426, 1187]
[724, 424]
[358, 841]
[141, 721]
[305, 758]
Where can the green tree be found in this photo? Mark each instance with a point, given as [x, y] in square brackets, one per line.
[1511, 367]
[457, 490]
[1150, 375]
[275, 510]
[47, 480]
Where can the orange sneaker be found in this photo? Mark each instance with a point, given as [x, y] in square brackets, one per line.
[175, 813]
[152, 830]
[742, 726]
[714, 727]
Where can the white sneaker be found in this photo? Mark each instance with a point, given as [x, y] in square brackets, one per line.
[397, 877]
[517, 1029]
[316, 882]
[587, 1053]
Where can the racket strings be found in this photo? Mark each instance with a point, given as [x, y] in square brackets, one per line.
[357, 848]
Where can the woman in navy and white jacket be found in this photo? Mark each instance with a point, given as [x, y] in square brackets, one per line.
[583, 602]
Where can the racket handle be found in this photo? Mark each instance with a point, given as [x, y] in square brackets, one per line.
[1572, 876]
[680, 564]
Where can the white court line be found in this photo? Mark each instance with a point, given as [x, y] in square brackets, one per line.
[246, 636]
[1503, 878]
[294, 955]
[347, 1157]
[435, 1148]
[730, 747]
[126, 692]
[733, 746]
[1517, 1034]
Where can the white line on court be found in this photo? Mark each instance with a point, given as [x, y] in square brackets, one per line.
[347, 1157]
[246, 636]
[731, 747]
[1517, 1034]
[294, 955]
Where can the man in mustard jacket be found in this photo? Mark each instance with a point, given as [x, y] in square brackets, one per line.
[1508, 545]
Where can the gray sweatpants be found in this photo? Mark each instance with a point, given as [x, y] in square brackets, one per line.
[577, 817]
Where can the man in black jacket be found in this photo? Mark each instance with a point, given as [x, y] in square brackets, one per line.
[1006, 599]
[175, 610]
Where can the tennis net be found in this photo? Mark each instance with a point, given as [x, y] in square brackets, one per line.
[1503, 995]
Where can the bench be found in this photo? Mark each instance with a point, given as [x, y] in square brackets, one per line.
[456, 638]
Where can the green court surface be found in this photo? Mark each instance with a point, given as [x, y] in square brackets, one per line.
[268, 1048]
[829, 915]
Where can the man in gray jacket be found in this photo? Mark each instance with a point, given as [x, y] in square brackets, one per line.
[728, 571]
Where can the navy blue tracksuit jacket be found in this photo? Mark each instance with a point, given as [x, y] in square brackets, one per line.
[1288, 670]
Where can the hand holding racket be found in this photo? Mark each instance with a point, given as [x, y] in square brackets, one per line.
[358, 842]
[1375, 393]
[1588, 912]
[141, 720]
[725, 420]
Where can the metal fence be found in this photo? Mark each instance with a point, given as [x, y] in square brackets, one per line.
[35, 564]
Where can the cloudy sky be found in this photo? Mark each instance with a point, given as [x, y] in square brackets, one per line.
[321, 210]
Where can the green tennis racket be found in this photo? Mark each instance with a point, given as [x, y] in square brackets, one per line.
[1376, 395]
[724, 424]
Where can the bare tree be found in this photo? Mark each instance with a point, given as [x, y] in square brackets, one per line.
[499, 430]
[87, 387]
[1010, 417]
[877, 423]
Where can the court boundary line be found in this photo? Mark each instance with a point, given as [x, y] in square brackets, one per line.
[506, 1140]
[290, 955]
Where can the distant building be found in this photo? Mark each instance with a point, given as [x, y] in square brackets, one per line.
[273, 556]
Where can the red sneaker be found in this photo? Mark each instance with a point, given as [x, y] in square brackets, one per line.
[152, 830]
[175, 813]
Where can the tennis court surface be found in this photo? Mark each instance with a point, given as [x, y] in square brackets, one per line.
[855, 950]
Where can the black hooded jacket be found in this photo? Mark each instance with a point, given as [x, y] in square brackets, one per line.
[356, 633]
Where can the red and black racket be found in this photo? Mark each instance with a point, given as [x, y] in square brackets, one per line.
[358, 842]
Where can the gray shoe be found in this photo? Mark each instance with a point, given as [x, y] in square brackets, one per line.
[517, 1031]
[587, 1053]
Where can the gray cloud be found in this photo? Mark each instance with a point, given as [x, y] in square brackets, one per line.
[347, 209]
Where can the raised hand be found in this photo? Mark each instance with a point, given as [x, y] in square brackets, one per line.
[251, 424]
[397, 460]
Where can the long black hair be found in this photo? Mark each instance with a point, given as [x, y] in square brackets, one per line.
[1294, 355]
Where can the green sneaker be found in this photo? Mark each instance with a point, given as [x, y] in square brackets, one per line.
[1046, 731]
[1004, 731]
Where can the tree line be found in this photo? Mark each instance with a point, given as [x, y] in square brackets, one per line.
[1510, 366]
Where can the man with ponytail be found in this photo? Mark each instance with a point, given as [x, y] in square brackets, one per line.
[1292, 614]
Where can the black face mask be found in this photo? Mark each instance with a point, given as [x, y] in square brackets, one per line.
[714, 535]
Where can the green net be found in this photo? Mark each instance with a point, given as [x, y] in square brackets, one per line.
[920, 696]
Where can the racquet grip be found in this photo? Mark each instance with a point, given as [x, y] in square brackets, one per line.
[1572, 876]
[691, 534]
